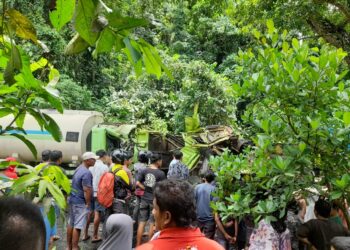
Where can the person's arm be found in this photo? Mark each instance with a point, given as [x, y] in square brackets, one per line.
[305, 241]
[87, 195]
[221, 227]
[170, 171]
[303, 234]
[236, 231]
[87, 187]
[139, 184]
[140, 180]
[302, 207]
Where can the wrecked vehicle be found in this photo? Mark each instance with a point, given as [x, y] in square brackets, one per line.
[86, 131]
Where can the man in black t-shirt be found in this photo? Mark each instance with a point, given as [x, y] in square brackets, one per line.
[146, 181]
[319, 232]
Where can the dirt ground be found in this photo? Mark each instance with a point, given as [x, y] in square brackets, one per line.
[84, 245]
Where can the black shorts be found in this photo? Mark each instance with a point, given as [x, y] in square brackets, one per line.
[145, 213]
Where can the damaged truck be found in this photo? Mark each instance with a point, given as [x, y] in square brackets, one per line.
[86, 131]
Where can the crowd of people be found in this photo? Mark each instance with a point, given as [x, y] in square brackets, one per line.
[175, 213]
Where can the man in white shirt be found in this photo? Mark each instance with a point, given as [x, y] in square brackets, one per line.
[97, 171]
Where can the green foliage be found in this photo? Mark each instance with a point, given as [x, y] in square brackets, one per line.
[63, 13]
[298, 115]
[72, 95]
[106, 29]
[40, 184]
[192, 124]
[328, 19]
[19, 88]
[145, 100]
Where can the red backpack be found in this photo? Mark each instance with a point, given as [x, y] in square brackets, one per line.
[105, 190]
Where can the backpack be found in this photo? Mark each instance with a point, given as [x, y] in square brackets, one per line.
[105, 190]
[120, 188]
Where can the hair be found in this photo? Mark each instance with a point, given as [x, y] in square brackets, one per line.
[143, 157]
[155, 157]
[55, 155]
[21, 225]
[209, 176]
[323, 208]
[280, 224]
[45, 155]
[176, 197]
[101, 153]
[336, 205]
[178, 154]
[293, 206]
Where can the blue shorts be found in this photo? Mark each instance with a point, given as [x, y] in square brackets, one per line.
[77, 215]
[97, 206]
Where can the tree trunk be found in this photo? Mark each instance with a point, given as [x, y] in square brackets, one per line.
[332, 33]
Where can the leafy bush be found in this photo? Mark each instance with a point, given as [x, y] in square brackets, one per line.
[298, 110]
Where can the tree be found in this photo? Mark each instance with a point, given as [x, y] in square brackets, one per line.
[298, 113]
[163, 103]
[328, 19]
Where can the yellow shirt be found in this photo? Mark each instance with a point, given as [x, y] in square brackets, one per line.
[121, 173]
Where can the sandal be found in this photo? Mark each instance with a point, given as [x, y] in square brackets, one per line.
[96, 240]
[56, 237]
[86, 238]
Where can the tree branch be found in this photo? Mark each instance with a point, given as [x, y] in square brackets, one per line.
[332, 33]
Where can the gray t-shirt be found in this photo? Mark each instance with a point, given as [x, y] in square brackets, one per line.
[203, 198]
[97, 171]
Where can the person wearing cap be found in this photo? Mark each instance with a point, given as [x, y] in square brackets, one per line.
[79, 201]
[99, 169]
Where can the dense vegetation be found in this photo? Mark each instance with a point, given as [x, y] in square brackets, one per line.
[282, 83]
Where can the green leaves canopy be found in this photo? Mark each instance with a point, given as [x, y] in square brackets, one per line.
[107, 29]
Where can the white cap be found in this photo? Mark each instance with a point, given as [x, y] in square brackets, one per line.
[89, 155]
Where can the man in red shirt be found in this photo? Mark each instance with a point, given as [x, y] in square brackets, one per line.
[174, 212]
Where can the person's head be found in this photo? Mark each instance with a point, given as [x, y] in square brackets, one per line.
[89, 159]
[118, 232]
[156, 159]
[293, 206]
[322, 208]
[174, 204]
[279, 225]
[118, 156]
[209, 176]
[21, 225]
[128, 158]
[340, 243]
[178, 154]
[143, 157]
[102, 155]
[45, 155]
[56, 156]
